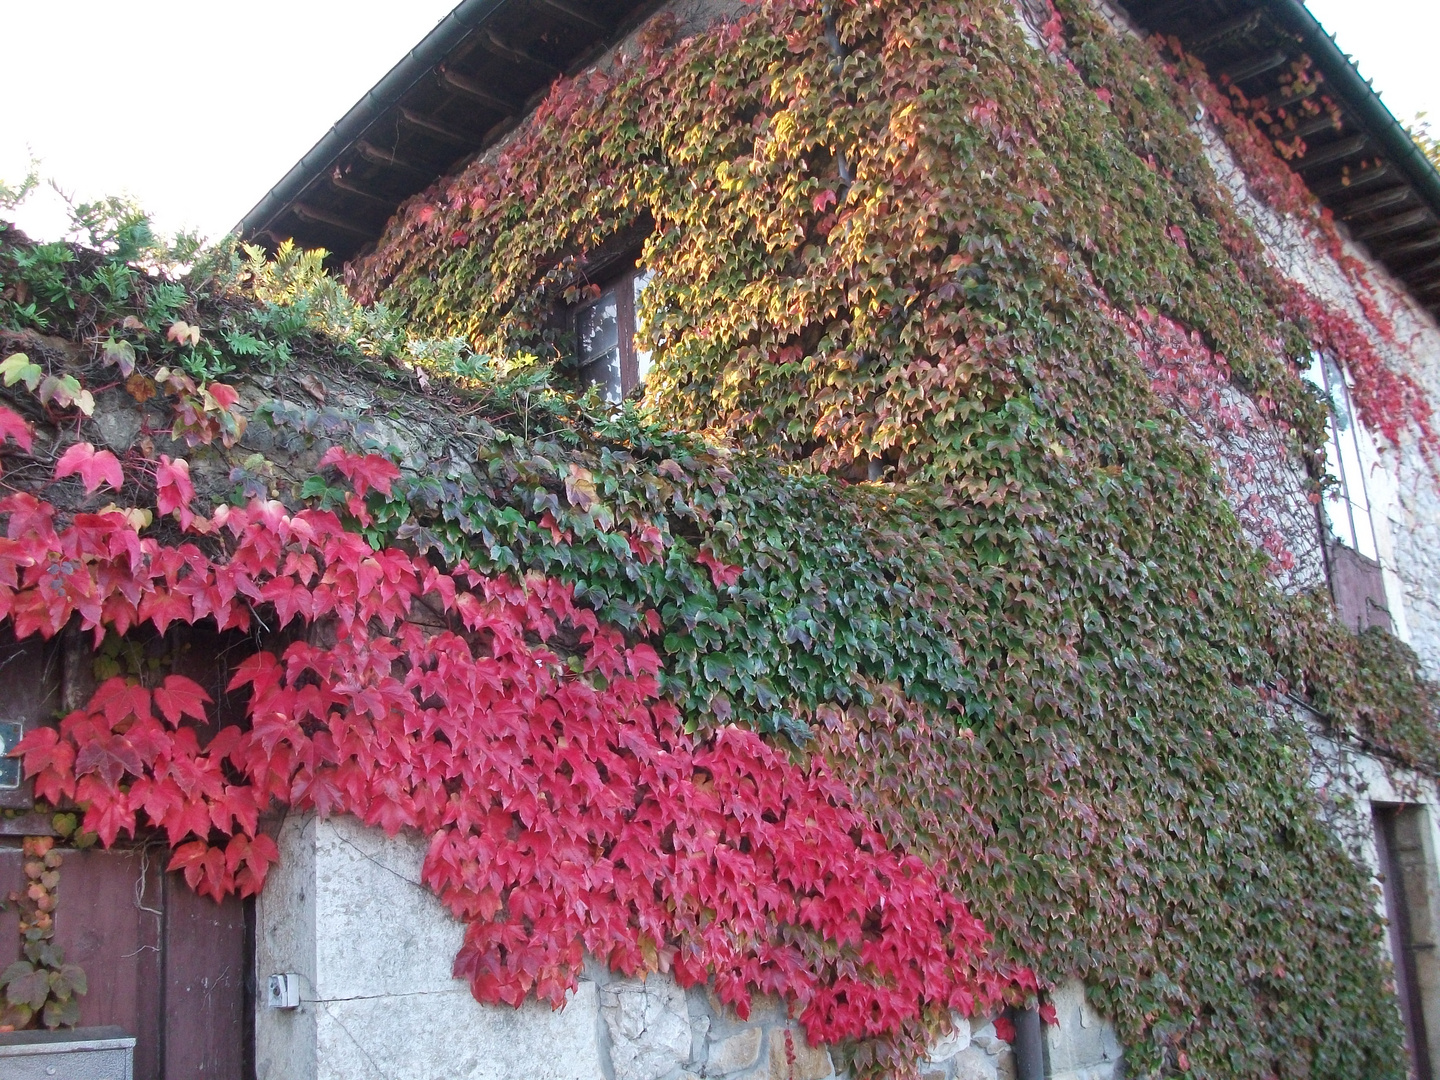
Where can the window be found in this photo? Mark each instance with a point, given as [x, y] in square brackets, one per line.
[605, 337]
[1349, 450]
[1352, 549]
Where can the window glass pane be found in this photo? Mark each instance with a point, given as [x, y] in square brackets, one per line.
[604, 371]
[596, 328]
[1349, 436]
[1337, 501]
[10, 732]
[1353, 466]
[642, 356]
[1347, 503]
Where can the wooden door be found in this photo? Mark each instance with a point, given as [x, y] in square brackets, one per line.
[169, 967]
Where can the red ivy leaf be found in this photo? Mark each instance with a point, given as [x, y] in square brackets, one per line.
[363, 471]
[178, 697]
[173, 489]
[15, 428]
[94, 467]
[721, 573]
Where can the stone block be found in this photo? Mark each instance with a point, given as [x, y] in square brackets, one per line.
[699, 1033]
[118, 420]
[1081, 1038]
[973, 1063]
[810, 1062]
[451, 1036]
[378, 929]
[764, 1009]
[947, 1046]
[649, 1027]
[285, 942]
[735, 1053]
[986, 1039]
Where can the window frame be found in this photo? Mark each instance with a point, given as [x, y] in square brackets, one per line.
[634, 363]
[1348, 509]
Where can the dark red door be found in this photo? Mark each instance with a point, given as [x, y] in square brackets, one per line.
[169, 967]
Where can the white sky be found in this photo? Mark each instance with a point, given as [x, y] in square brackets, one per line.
[197, 107]
[194, 107]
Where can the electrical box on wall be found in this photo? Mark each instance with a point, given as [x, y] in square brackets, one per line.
[283, 991]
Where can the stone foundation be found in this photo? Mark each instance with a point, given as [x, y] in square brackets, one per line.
[345, 911]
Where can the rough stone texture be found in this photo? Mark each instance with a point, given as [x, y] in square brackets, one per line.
[735, 1053]
[974, 1063]
[700, 1024]
[448, 1036]
[649, 1026]
[972, 1051]
[950, 1045]
[381, 931]
[1082, 1045]
[285, 1040]
[118, 419]
[792, 1058]
[344, 909]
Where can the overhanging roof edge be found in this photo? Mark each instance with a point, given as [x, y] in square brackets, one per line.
[1355, 91]
[414, 66]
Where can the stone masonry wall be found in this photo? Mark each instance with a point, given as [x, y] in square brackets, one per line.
[1403, 484]
[345, 909]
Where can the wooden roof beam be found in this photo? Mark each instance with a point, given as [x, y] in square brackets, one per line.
[1356, 180]
[388, 158]
[431, 126]
[1425, 270]
[1317, 125]
[1413, 247]
[1407, 220]
[1241, 24]
[1380, 201]
[316, 216]
[1255, 65]
[341, 181]
[472, 89]
[573, 13]
[1278, 99]
[1313, 159]
[494, 43]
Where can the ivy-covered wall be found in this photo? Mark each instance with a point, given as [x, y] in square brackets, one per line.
[1017, 711]
[1402, 487]
[897, 233]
